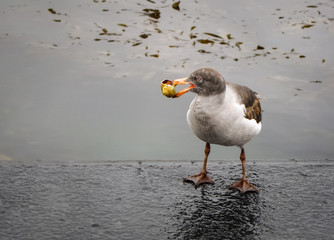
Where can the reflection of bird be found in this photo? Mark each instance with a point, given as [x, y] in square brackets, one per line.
[221, 113]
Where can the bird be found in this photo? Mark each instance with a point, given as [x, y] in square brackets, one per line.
[221, 113]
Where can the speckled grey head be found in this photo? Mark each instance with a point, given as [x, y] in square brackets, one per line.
[207, 82]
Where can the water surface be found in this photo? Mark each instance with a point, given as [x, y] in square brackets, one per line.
[80, 80]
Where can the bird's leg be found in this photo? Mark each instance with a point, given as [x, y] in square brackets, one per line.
[203, 176]
[243, 185]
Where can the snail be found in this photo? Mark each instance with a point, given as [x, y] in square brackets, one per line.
[168, 89]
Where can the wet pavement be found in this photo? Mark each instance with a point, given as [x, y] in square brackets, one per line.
[81, 81]
[148, 200]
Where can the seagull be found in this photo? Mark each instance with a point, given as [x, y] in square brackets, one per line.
[221, 113]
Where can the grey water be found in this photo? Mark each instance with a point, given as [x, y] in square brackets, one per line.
[91, 149]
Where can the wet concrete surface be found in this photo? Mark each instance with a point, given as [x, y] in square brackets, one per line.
[148, 200]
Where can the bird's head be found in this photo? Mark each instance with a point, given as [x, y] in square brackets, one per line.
[204, 81]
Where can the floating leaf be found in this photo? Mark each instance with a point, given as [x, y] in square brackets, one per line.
[229, 36]
[192, 28]
[323, 60]
[316, 81]
[205, 41]
[202, 51]
[150, 1]
[144, 35]
[307, 26]
[154, 55]
[191, 35]
[174, 46]
[302, 56]
[312, 6]
[213, 35]
[136, 44]
[122, 25]
[259, 47]
[236, 59]
[237, 44]
[153, 13]
[52, 11]
[158, 30]
[223, 43]
[104, 30]
[176, 6]
[57, 20]
[97, 39]
[292, 50]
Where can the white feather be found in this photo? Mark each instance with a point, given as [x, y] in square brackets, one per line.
[220, 119]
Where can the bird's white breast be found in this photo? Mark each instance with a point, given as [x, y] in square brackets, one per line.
[220, 119]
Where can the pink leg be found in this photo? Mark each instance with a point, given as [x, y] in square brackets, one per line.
[243, 185]
[203, 176]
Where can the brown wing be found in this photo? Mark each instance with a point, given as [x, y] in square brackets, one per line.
[251, 101]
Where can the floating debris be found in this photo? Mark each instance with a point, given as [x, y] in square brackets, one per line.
[155, 55]
[57, 20]
[176, 6]
[316, 81]
[229, 36]
[259, 47]
[302, 56]
[224, 43]
[153, 13]
[122, 25]
[213, 35]
[312, 6]
[237, 44]
[136, 44]
[202, 51]
[144, 35]
[191, 35]
[52, 11]
[205, 41]
[307, 26]
[323, 60]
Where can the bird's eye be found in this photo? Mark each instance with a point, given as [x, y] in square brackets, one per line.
[198, 79]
